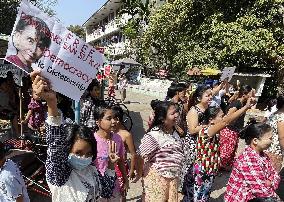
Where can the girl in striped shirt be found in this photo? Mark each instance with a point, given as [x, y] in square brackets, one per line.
[162, 152]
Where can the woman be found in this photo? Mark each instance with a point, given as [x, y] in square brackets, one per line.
[195, 117]
[253, 175]
[208, 157]
[162, 154]
[276, 121]
[181, 101]
[229, 137]
[29, 41]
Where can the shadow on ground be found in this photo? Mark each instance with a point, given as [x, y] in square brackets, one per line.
[137, 129]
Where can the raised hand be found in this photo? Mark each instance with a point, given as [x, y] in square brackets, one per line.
[42, 88]
[250, 102]
[112, 152]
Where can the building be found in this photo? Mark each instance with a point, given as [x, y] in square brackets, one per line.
[103, 29]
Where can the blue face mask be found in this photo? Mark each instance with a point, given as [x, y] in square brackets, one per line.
[78, 162]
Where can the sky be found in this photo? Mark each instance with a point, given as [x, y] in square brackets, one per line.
[76, 12]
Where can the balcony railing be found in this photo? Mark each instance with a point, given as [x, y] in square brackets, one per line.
[109, 28]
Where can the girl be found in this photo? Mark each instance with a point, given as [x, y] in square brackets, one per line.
[161, 151]
[253, 175]
[106, 123]
[195, 117]
[12, 184]
[276, 121]
[128, 144]
[69, 172]
[36, 113]
[208, 158]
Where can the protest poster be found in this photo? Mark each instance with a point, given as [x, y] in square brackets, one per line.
[17, 73]
[39, 41]
[107, 70]
[227, 73]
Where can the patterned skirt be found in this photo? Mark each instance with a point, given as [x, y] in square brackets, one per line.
[229, 140]
[160, 189]
[190, 143]
[120, 177]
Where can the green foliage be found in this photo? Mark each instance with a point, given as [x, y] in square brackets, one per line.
[215, 33]
[78, 30]
[8, 12]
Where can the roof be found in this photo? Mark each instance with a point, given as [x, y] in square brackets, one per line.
[251, 74]
[108, 7]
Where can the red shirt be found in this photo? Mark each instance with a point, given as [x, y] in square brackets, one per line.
[16, 61]
[249, 177]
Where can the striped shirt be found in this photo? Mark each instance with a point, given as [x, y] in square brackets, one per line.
[162, 151]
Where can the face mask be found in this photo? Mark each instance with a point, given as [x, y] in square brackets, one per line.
[79, 163]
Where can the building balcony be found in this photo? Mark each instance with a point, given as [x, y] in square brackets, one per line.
[111, 27]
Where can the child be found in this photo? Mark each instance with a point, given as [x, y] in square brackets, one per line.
[12, 185]
[129, 145]
[208, 158]
[253, 175]
[106, 123]
[69, 171]
[36, 113]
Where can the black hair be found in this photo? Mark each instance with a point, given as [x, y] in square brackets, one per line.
[244, 90]
[42, 30]
[100, 111]
[280, 102]
[2, 80]
[154, 103]
[2, 150]
[171, 91]
[254, 130]
[210, 113]
[75, 132]
[180, 87]
[271, 103]
[197, 95]
[118, 112]
[9, 74]
[260, 199]
[160, 112]
[94, 83]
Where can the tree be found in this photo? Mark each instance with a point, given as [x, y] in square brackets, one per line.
[78, 30]
[8, 12]
[247, 34]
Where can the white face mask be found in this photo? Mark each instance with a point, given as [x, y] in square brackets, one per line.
[78, 162]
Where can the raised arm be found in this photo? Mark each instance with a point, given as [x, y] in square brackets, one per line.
[214, 129]
[57, 168]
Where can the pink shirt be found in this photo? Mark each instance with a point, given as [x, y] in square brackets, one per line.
[249, 177]
[101, 161]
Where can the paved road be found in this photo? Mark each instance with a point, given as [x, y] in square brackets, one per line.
[139, 108]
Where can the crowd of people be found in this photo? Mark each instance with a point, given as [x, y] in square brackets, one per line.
[193, 136]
